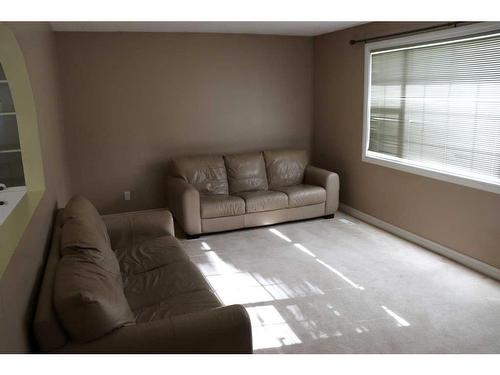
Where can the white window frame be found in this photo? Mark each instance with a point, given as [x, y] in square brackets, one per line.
[414, 167]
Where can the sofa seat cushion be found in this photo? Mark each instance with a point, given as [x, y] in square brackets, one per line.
[88, 299]
[285, 167]
[246, 172]
[221, 205]
[178, 305]
[150, 254]
[206, 173]
[257, 201]
[304, 195]
[152, 287]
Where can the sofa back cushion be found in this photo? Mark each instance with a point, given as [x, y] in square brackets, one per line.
[79, 236]
[80, 207]
[89, 300]
[285, 167]
[206, 173]
[84, 232]
[246, 172]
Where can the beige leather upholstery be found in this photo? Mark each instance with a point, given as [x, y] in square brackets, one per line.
[89, 300]
[88, 289]
[246, 172]
[163, 304]
[81, 208]
[257, 201]
[84, 237]
[206, 173]
[177, 305]
[221, 205]
[285, 167]
[149, 254]
[255, 219]
[294, 190]
[303, 195]
[220, 224]
[221, 330]
[184, 202]
[162, 283]
[128, 229]
[329, 181]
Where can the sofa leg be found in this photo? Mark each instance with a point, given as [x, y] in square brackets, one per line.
[192, 236]
[331, 216]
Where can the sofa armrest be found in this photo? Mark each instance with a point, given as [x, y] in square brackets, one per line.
[329, 181]
[184, 201]
[131, 226]
[222, 330]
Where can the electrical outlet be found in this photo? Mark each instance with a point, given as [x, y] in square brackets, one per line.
[126, 195]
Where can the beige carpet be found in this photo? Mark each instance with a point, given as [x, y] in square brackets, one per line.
[343, 286]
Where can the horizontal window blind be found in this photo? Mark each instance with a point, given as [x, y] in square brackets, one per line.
[438, 105]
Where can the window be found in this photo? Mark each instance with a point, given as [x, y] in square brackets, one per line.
[11, 164]
[12, 183]
[432, 105]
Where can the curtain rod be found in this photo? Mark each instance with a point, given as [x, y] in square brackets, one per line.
[387, 36]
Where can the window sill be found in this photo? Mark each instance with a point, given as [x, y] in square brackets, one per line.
[12, 229]
[9, 199]
[426, 171]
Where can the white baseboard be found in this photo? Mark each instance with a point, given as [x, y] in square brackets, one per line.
[467, 261]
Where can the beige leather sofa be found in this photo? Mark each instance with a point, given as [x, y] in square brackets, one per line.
[123, 284]
[223, 192]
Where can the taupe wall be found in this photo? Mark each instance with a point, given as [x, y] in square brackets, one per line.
[19, 283]
[134, 100]
[461, 218]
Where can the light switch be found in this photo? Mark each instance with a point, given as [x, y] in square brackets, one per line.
[126, 195]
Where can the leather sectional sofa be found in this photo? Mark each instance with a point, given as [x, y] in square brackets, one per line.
[123, 284]
[223, 192]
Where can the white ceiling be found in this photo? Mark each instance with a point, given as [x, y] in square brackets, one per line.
[273, 28]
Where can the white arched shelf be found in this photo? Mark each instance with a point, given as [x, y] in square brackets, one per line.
[22, 209]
